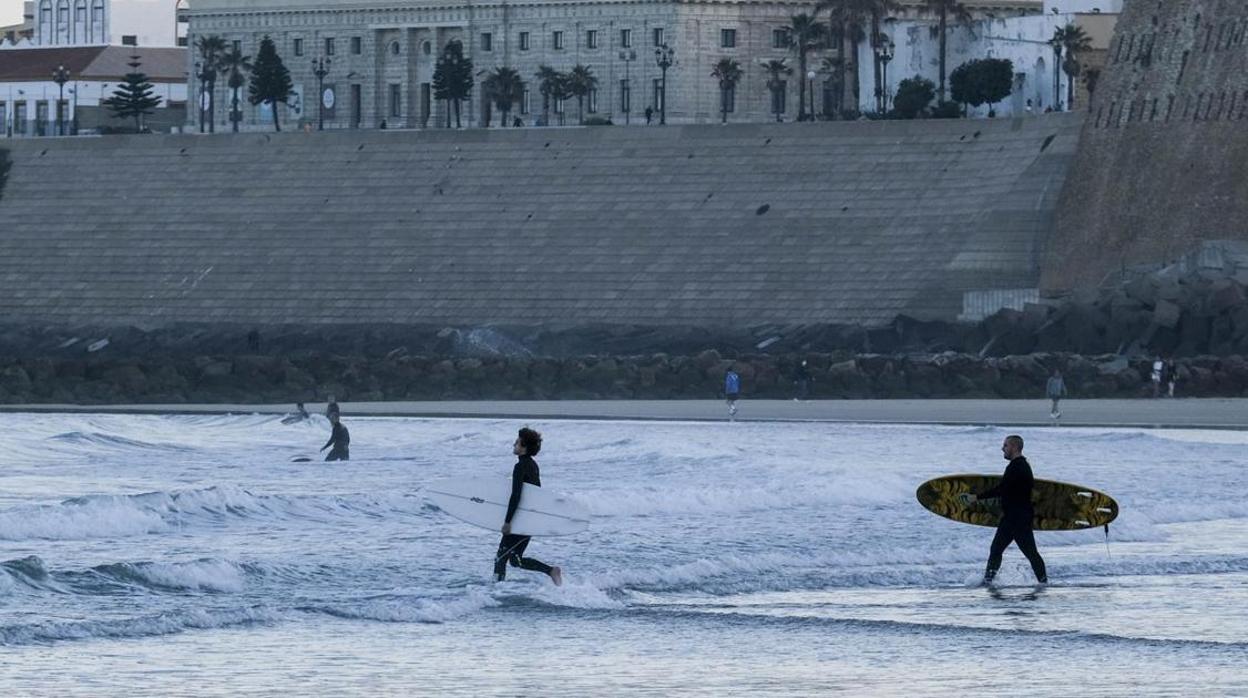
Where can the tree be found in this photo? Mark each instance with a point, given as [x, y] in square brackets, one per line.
[728, 72]
[235, 66]
[835, 67]
[560, 89]
[776, 70]
[133, 98]
[547, 82]
[504, 88]
[944, 9]
[982, 81]
[805, 34]
[580, 82]
[913, 96]
[211, 49]
[270, 80]
[452, 79]
[1070, 40]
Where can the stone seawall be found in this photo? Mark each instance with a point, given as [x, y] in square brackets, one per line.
[265, 379]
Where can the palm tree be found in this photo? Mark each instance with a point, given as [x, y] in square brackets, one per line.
[728, 72]
[548, 83]
[852, 21]
[211, 48]
[580, 82]
[1070, 40]
[504, 87]
[235, 66]
[944, 9]
[805, 35]
[776, 69]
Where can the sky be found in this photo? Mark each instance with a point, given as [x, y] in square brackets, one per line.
[10, 12]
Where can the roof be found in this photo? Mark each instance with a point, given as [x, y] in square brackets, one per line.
[92, 63]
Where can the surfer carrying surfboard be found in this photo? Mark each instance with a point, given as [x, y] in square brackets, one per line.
[1017, 512]
[511, 547]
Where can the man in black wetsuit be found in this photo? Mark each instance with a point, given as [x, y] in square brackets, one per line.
[340, 439]
[1017, 512]
[511, 547]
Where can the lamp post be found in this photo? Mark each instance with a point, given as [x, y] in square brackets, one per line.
[663, 57]
[810, 88]
[884, 51]
[320, 68]
[626, 99]
[60, 76]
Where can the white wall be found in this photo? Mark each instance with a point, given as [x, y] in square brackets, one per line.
[89, 94]
[151, 21]
[1071, 6]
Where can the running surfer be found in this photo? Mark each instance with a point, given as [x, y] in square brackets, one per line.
[1017, 512]
[511, 547]
[340, 439]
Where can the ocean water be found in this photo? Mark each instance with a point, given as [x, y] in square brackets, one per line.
[175, 555]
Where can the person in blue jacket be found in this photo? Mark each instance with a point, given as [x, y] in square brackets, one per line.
[732, 390]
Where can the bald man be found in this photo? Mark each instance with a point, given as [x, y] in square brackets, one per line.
[1017, 512]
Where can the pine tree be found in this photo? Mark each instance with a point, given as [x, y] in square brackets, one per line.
[452, 79]
[270, 80]
[133, 98]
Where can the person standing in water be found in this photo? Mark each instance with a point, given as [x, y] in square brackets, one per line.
[331, 407]
[1017, 512]
[511, 548]
[340, 439]
[732, 391]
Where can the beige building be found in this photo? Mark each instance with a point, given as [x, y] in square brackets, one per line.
[382, 56]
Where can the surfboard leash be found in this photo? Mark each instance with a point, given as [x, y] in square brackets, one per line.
[1107, 553]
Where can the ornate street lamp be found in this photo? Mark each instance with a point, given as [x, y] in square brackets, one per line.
[663, 57]
[884, 51]
[60, 76]
[320, 68]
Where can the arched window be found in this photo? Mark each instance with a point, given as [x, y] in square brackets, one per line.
[81, 35]
[45, 22]
[62, 22]
[98, 30]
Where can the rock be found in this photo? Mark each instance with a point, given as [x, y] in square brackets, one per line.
[216, 369]
[1166, 314]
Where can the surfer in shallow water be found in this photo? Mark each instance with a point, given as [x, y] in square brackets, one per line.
[340, 439]
[511, 547]
[1017, 512]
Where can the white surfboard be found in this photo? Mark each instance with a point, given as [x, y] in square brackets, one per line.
[483, 502]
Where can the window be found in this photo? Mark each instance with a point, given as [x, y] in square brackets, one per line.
[779, 98]
[558, 106]
[658, 94]
[329, 47]
[298, 47]
[727, 38]
[592, 98]
[780, 38]
[97, 21]
[80, 22]
[45, 22]
[525, 99]
[658, 36]
[395, 49]
[426, 48]
[591, 38]
[62, 22]
[487, 41]
[396, 99]
[626, 38]
[626, 97]
[524, 41]
[557, 40]
[129, 40]
[357, 46]
[238, 45]
[4, 118]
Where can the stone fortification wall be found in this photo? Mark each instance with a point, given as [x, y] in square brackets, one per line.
[714, 226]
[1163, 160]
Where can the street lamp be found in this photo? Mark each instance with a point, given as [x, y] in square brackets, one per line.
[884, 51]
[320, 68]
[663, 57]
[810, 88]
[60, 76]
[628, 56]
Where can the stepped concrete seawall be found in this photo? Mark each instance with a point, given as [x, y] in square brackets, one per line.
[708, 226]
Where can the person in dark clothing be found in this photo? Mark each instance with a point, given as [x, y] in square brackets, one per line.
[340, 439]
[801, 379]
[1017, 512]
[511, 548]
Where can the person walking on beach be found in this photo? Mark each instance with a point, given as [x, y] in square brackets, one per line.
[732, 391]
[1159, 368]
[340, 439]
[1017, 512]
[801, 379]
[511, 548]
[1055, 390]
[1172, 373]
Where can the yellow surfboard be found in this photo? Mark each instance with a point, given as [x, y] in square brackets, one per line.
[1059, 506]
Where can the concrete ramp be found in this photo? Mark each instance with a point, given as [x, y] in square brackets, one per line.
[716, 226]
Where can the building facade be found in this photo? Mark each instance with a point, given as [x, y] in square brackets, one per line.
[153, 23]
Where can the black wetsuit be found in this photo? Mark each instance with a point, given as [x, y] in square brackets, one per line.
[341, 442]
[511, 547]
[1017, 514]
